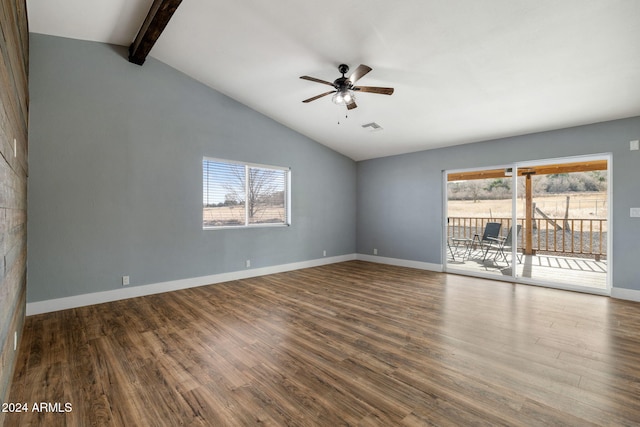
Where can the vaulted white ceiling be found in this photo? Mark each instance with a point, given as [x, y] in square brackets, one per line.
[463, 70]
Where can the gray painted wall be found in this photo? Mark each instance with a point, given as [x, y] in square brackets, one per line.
[115, 185]
[400, 199]
[115, 179]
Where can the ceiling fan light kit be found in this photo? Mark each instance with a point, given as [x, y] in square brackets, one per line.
[343, 97]
[344, 87]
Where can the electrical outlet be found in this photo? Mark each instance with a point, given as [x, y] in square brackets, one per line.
[248, 263]
[634, 145]
[125, 280]
[324, 253]
[634, 213]
[375, 251]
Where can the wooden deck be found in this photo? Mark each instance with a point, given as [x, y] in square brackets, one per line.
[344, 344]
[561, 270]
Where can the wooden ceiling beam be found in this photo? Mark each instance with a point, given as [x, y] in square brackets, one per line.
[485, 174]
[157, 19]
[587, 166]
[597, 165]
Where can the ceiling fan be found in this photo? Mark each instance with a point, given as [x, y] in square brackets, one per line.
[344, 87]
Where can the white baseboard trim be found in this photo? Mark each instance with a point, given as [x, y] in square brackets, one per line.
[628, 294]
[400, 262]
[65, 303]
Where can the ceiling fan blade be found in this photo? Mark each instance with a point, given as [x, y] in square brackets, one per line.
[352, 105]
[358, 73]
[374, 89]
[319, 96]
[313, 79]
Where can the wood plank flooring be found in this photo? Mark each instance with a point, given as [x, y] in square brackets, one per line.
[346, 344]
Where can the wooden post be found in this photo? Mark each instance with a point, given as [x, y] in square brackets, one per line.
[533, 216]
[566, 216]
[528, 223]
[528, 249]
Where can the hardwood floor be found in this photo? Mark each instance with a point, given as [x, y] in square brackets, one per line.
[346, 344]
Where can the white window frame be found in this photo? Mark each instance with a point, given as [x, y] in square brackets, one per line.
[247, 166]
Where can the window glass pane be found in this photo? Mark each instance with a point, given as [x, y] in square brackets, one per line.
[266, 195]
[223, 194]
[241, 195]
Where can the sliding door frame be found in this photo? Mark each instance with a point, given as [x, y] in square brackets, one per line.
[514, 212]
[446, 268]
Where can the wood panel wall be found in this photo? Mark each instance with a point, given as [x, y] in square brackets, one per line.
[14, 115]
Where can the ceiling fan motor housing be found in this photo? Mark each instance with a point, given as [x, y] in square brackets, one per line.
[342, 83]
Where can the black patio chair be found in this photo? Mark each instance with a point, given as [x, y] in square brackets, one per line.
[500, 244]
[491, 232]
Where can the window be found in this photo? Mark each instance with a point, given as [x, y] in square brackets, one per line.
[244, 195]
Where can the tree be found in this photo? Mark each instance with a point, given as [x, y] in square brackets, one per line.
[265, 188]
[263, 184]
[232, 199]
[499, 188]
[498, 183]
[475, 188]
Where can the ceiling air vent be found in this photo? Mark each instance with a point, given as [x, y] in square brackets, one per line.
[373, 127]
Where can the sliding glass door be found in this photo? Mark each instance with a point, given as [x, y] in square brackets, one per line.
[544, 222]
[479, 216]
[564, 210]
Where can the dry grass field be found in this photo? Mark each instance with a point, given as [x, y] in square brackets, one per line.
[583, 236]
[235, 215]
[591, 205]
